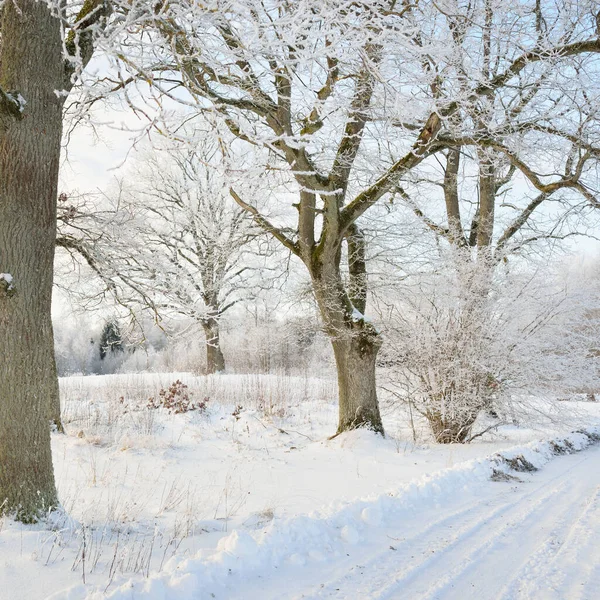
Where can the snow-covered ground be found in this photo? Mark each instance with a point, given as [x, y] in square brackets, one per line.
[249, 499]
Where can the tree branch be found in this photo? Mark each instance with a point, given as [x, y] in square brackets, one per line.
[567, 182]
[357, 268]
[79, 42]
[265, 224]
[389, 180]
[355, 123]
[68, 242]
[438, 229]
[451, 196]
[516, 225]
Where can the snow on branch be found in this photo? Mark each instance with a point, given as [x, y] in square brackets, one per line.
[265, 224]
[12, 104]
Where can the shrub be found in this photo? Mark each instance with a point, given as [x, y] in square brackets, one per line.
[177, 399]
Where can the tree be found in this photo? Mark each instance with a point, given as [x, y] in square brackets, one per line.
[454, 354]
[201, 249]
[519, 174]
[176, 244]
[110, 339]
[350, 100]
[33, 68]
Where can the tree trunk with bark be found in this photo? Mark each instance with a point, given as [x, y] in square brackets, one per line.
[31, 63]
[355, 343]
[355, 361]
[215, 361]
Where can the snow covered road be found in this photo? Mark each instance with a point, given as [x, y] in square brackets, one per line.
[453, 534]
[532, 539]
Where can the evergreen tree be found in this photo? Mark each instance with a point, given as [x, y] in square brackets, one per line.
[110, 340]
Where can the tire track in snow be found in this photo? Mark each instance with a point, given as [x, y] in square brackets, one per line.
[486, 544]
[426, 555]
[379, 561]
[533, 536]
[570, 569]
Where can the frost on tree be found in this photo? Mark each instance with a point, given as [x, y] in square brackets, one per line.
[353, 103]
[175, 245]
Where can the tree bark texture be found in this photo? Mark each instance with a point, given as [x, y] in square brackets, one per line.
[215, 361]
[355, 361]
[355, 344]
[30, 63]
[487, 200]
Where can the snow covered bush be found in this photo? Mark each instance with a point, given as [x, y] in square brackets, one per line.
[466, 340]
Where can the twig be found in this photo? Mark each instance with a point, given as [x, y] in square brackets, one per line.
[495, 426]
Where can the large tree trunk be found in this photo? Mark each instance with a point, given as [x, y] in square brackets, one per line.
[355, 344]
[31, 62]
[215, 361]
[355, 361]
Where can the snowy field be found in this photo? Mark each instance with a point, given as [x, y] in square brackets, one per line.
[246, 497]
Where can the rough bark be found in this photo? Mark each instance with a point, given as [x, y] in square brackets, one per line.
[487, 200]
[357, 268]
[215, 361]
[31, 62]
[355, 360]
[355, 345]
[451, 197]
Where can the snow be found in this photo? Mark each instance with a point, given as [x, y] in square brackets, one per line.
[357, 315]
[313, 540]
[258, 504]
[8, 278]
[17, 99]
[21, 102]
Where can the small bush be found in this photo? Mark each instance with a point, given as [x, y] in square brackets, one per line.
[177, 399]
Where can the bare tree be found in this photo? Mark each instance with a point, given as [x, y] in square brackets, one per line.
[519, 175]
[513, 152]
[173, 242]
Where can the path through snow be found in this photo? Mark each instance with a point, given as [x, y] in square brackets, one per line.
[536, 539]
[452, 535]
